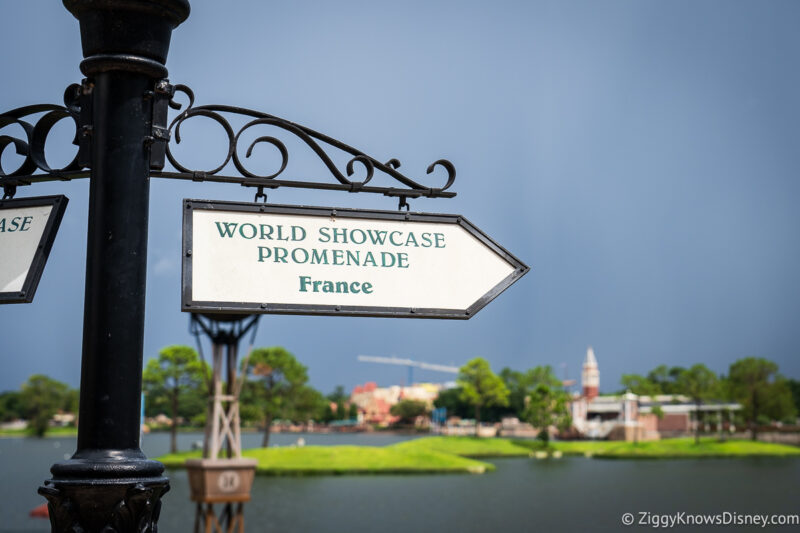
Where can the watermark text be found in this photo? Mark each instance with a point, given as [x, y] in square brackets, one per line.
[726, 518]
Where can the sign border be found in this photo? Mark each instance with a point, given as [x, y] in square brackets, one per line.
[59, 204]
[236, 308]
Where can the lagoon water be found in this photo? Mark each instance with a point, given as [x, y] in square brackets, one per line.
[568, 494]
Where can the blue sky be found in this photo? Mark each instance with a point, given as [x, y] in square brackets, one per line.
[642, 157]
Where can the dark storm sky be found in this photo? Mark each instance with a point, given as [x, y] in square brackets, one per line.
[642, 157]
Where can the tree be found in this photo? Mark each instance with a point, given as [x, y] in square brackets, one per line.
[453, 402]
[275, 380]
[339, 398]
[40, 398]
[518, 385]
[328, 415]
[11, 406]
[176, 372]
[409, 410]
[338, 395]
[71, 401]
[661, 380]
[700, 384]
[794, 386]
[665, 379]
[193, 404]
[249, 414]
[306, 404]
[481, 387]
[352, 413]
[547, 402]
[341, 410]
[641, 385]
[763, 392]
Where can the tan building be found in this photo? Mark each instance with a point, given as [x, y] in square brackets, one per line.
[374, 403]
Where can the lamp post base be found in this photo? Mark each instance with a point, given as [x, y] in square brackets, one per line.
[103, 492]
[100, 507]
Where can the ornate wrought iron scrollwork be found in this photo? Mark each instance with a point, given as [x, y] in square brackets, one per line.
[318, 143]
[31, 146]
[77, 100]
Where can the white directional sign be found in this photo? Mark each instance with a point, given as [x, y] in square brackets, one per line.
[252, 258]
[28, 228]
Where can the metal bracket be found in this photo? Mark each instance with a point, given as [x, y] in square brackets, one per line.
[403, 203]
[260, 194]
[159, 132]
[83, 98]
[9, 191]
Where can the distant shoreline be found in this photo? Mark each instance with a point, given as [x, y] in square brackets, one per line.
[53, 432]
[679, 448]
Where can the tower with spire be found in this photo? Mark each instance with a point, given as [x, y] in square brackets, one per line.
[590, 377]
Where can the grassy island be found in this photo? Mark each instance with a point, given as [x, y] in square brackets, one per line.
[338, 460]
[450, 455]
[684, 448]
[467, 446]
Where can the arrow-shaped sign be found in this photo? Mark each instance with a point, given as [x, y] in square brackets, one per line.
[254, 258]
[28, 228]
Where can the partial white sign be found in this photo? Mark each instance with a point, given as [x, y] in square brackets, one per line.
[28, 227]
[251, 258]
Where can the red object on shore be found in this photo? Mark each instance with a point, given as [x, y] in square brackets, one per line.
[40, 511]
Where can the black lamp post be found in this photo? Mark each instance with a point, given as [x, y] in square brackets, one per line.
[109, 483]
[120, 111]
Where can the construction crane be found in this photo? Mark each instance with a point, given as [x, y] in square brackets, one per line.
[408, 363]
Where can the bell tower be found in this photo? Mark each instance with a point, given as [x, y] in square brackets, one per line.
[590, 377]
